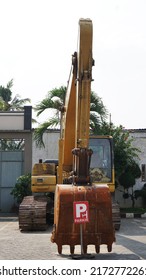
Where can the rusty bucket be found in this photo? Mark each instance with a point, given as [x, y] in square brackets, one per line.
[99, 230]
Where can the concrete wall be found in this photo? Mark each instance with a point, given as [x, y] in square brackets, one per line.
[16, 120]
[9, 121]
[50, 151]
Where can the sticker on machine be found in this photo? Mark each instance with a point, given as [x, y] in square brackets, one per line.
[81, 212]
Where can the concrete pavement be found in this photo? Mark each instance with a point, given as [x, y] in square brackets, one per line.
[130, 243]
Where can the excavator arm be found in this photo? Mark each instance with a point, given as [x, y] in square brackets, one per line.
[76, 113]
[84, 78]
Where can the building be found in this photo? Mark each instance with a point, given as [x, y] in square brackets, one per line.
[16, 164]
[15, 126]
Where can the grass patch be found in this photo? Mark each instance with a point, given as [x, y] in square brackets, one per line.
[133, 210]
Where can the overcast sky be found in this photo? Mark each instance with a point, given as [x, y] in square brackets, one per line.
[38, 37]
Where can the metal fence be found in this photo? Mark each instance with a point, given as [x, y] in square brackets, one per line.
[11, 167]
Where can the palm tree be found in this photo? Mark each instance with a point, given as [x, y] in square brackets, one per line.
[7, 103]
[54, 102]
[98, 113]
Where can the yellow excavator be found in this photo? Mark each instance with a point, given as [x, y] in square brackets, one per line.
[84, 171]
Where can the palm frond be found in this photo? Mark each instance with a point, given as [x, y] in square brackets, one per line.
[43, 105]
[17, 103]
[2, 104]
[53, 122]
[39, 131]
[5, 94]
[54, 100]
[38, 134]
[95, 122]
[97, 105]
[10, 84]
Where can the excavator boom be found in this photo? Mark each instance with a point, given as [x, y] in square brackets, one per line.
[84, 78]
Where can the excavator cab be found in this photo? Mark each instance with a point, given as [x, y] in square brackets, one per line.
[102, 170]
[102, 161]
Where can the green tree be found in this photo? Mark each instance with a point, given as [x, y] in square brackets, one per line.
[54, 102]
[125, 154]
[128, 179]
[8, 102]
[126, 157]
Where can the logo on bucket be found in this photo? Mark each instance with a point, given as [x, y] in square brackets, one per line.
[81, 212]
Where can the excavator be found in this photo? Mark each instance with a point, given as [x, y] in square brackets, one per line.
[84, 172]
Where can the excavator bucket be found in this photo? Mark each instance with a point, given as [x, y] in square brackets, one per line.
[99, 230]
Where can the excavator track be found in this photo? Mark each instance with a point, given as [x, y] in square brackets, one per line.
[32, 213]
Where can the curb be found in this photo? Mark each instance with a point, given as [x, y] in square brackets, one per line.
[133, 215]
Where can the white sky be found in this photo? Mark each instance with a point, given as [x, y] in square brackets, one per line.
[38, 37]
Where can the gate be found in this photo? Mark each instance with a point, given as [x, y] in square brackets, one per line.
[11, 167]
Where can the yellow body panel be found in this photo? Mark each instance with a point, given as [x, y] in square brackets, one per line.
[43, 188]
[111, 187]
[43, 183]
[43, 168]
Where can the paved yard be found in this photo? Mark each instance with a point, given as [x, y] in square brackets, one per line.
[130, 243]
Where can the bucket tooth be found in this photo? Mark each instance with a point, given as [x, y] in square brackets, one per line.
[72, 249]
[109, 248]
[60, 249]
[85, 249]
[97, 249]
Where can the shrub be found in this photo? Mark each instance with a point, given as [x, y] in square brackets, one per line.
[22, 188]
